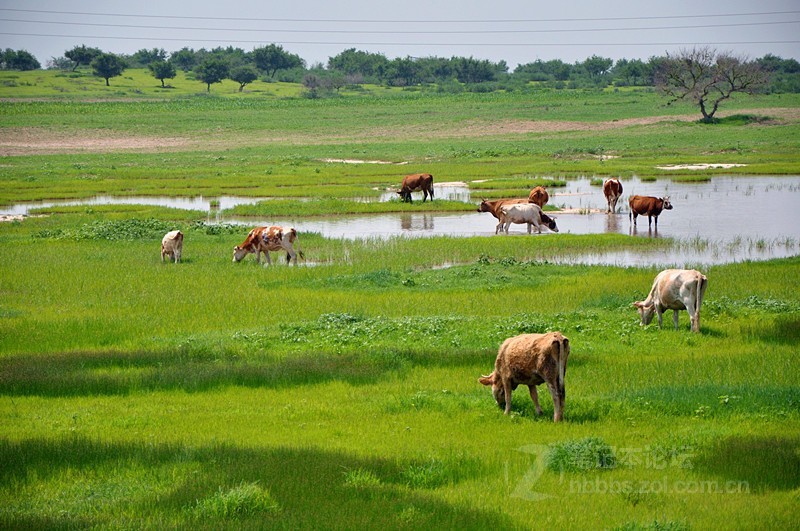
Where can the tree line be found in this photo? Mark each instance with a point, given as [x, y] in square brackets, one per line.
[354, 67]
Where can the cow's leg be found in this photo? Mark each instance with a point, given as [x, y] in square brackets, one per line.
[499, 226]
[291, 256]
[660, 312]
[675, 318]
[507, 392]
[269, 260]
[529, 227]
[693, 317]
[535, 398]
[558, 405]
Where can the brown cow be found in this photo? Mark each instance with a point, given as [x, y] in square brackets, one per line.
[531, 359]
[612, 189]
[539, 196]
[266, 239]
[646, 205]
[418, 182]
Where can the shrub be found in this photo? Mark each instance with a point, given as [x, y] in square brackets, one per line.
[580, 456]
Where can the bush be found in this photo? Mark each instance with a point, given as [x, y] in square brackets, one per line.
[580, 456]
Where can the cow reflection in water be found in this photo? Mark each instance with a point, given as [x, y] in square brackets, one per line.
[416, 221]
[651, 232]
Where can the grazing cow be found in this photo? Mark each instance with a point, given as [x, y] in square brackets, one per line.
[674, 289]
[530, 359]
[266, 239]
[539, 196]
[418, 182]
[528, 213]
[646, 205]
[172, 246]
[494, 208]
[612, 189]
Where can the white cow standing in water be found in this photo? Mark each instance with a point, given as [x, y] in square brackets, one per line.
[674, 289]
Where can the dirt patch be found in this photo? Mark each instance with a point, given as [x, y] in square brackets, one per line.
[38, 141]
[41, 141]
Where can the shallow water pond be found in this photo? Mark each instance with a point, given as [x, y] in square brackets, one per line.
[724, 219]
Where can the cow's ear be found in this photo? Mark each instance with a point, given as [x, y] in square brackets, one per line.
[487, 380]
[638, 304]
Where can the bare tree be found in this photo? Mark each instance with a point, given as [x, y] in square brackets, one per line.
[707, 78]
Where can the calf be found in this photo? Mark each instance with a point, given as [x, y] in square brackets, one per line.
[415, 183]
[646, 205]
[674, 289]
[528, 213]
[266, 239]
[539, 196]
[530, 359]
[172, 246]
[612, 189]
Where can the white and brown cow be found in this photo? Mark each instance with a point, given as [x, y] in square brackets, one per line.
[531, 359]
[493, 207]
[527, 213]
[674, 289]
[612, 189]
[172, 246]
[643, 205]
[266, 239]
[539, 196]
[417, 182]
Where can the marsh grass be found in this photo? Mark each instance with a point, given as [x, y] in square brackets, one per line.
[136, 394]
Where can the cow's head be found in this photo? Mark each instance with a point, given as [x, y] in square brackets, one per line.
[239, 253]
[497, 389]
[667, 204]
[646, 311]
[484, 206]
[549, 222]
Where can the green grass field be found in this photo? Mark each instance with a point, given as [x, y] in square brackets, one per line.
[343, 393]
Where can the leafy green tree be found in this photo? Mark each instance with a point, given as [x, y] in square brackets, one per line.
[597, 66]
[402, 72]
[707, 78]
[244, 75]
[81, 55]
[162, 70]
[184, 59]
[470, 70]
[211, 70]
[107, 65]
[272, 58]
[145, 57]
[18, 60]
[352, 62]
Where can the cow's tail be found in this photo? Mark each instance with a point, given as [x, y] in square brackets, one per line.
[702, 284]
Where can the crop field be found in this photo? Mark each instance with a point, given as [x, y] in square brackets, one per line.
[343, 392]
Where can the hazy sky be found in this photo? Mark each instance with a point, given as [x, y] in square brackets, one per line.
[516, 31]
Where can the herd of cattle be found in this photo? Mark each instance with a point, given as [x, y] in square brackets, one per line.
[527, 359]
